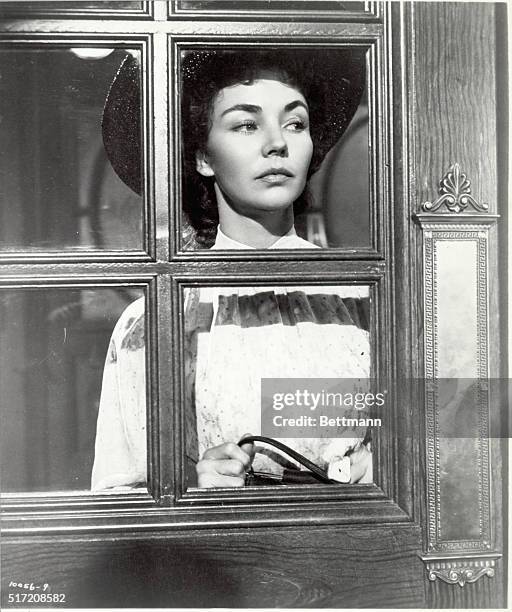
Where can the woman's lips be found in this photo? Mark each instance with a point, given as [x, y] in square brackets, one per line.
[275, 175]
[275, 178]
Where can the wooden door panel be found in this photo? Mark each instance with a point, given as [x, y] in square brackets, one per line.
[300, 567]
[439, 70]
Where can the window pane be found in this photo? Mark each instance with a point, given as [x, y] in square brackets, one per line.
[250, 180]
[79, 7]
[338, 215]
[57, 188]
[270, 5]
[53, 356]
[238, 337]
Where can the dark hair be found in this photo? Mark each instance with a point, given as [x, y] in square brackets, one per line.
[204, 74]
[331, 80]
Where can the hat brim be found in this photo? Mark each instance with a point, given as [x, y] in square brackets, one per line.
[335, 78]
[121, 124]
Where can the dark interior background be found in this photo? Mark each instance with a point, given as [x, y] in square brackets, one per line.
[52, 350]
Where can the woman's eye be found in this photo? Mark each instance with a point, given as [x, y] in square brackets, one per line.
[296, 125]
[246, 126]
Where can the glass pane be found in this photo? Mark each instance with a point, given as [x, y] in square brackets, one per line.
[264, 163]
[58, 189]
[79, 7]
[53, 356]
[339, 211]
[311, 339]
[270, 5]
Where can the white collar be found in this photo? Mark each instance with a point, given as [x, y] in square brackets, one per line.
[290, 240]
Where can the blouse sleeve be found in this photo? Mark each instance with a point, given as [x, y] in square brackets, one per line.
[120, 456]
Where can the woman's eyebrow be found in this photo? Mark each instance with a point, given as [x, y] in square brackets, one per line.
[291, 105]
[253, 108]
[250, 108]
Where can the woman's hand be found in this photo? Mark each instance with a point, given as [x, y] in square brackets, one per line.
[361, 465]
[225, 465]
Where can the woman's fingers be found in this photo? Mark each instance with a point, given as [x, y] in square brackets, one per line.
[224, 465]
[210, 481]
[229, 450]
[360, 464]
[248, 448]
[220, 473]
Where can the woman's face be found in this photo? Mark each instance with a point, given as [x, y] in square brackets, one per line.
[259, 147]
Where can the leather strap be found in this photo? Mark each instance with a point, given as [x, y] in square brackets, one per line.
[317, 471]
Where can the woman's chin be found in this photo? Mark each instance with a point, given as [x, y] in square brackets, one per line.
[271, 204]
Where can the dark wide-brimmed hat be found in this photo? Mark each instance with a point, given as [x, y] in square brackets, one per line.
[331, 79]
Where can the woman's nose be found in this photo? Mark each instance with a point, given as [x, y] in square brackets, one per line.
[275, 144]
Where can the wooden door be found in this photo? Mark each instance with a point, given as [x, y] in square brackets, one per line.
[429, 532]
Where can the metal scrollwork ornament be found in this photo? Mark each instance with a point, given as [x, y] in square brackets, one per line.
[455, 193]
[462, 575]
[461, 571]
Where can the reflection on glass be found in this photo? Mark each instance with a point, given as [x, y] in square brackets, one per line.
[57, 188]
[79, 7]
[270, 5]
[237, 336]
[52, 356]
[284, 149]
[338, 215]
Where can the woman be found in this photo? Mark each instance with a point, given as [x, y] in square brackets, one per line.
[256, 125]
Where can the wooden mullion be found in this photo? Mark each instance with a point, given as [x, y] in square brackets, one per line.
[322, 271]
[159, 147]
[227, 29]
